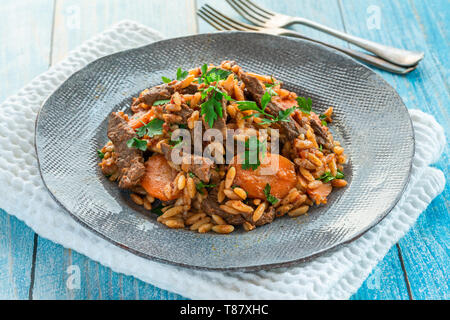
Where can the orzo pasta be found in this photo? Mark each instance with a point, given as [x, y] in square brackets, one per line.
[205, 190]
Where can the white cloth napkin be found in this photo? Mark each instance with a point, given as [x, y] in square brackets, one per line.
[335, 275]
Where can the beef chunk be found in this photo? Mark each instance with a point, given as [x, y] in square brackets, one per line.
[109, 166]
[200, 166]
[320, 131]
[185, 112]
[130, 161]
[256, 90]
[267, 217]
[190, 89]
[211, 206]
[161, 92]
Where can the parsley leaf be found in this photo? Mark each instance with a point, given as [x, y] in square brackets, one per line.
[166, 80]
[323, 118]
[100, 154]
[327, 176]
[157, 207]
[191, 174]
[160, 102]
[207, 109]
[304, 104]
[153, 128]
[265, 99]
[181, 74]
[176, 143]
[200, 186]
[270, 198]
[269, 87]
[283, 115]
[212, 108]
[204, 69]
[254, 149]
[213, 75]
[137, 144]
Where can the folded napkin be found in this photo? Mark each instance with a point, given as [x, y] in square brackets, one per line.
[334, 275]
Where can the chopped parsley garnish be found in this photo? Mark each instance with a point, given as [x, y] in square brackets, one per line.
[283, 115]
[181, 74]
[320, 147]
[323, 118]
[153, 128]
[304, 104]
[212, 108]
[137, 144]
[191, 174]
[269, 87]
[270, 198]
[160, 102]
[251, 105]
[212, 75]
[255, 150]
[200, 186]
[327, 176]
[176, 143]
[100, 154]
[157, 207]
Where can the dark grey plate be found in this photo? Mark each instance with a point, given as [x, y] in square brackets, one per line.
[370, 120]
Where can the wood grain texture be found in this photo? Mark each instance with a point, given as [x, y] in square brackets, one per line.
[418, 26]
[77, 21]
[24, 54]
[385, 282]
[329, 13]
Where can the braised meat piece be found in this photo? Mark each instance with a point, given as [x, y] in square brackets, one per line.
[200, 166]
[130, 161]
[149, 96]
[211, 206]
[256, 89]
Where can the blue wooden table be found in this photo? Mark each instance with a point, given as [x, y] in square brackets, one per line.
[35, 34]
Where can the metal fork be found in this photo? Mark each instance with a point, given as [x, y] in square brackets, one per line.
[222, 22]
[268, 19]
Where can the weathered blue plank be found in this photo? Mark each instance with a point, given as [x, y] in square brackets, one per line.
[57, 269]
[16, 251]
[383, 283]
[425, 247]
[24, 53]
[77, 21]
[328, 13]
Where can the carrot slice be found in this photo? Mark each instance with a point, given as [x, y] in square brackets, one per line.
[158, 174]
[139, 121]
[319, 195]
[278, 172]
[285, 103]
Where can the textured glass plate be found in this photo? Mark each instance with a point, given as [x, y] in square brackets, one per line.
[370, 120]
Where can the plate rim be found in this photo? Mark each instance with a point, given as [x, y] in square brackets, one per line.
[258, 267]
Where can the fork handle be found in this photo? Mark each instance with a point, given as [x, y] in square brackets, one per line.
[367, 58]
[397, 56]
